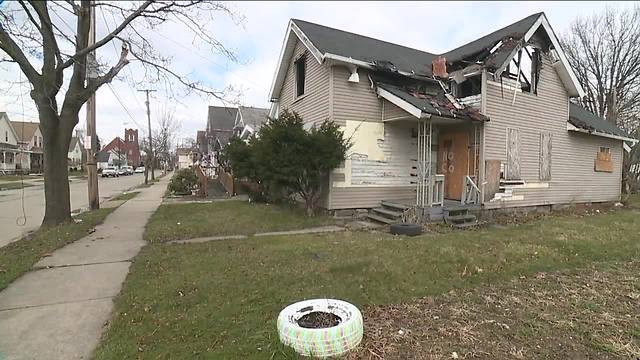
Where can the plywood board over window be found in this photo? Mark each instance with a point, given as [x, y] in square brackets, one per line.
[603, 160]
[513, 154]
[545, 156]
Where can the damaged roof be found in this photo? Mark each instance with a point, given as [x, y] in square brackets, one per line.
[428, 97]
[364, 48]
[481, 47]
[585, 119]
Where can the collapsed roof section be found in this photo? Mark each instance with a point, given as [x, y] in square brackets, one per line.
[422, 98]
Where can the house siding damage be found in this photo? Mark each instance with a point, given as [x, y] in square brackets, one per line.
[572, 177]
[508, 136]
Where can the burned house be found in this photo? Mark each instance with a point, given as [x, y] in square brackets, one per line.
[488, 125]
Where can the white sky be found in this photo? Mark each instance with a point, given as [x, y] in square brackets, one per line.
[431, 26]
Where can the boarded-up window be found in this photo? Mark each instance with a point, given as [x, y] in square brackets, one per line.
[603, 160]
[545, 155]
[513, 154]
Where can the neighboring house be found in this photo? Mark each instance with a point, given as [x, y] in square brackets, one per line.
[185, 157]
[30, 143]
[249, 120]
[103, 159]
[487, 124]
[127, 151]
[9, 149]
[220, 122]
[75, 154]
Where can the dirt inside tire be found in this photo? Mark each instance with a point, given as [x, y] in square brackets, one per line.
[319, 320]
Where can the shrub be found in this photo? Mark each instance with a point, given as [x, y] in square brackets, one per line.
[183, 181]
[285, 159]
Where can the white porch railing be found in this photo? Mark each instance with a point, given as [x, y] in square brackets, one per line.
[470, 191]
[430, 187]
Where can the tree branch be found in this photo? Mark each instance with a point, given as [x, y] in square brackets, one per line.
[109, 36]
[11, 48]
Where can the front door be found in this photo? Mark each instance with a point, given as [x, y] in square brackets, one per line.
[453, 162]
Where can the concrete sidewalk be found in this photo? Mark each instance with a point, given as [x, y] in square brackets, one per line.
[58, 311]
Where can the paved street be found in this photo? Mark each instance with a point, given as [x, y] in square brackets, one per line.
[11, 203]
[58, 311]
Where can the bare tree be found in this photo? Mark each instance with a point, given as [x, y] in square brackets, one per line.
[604, 51]
[55, 58]
[165, 135]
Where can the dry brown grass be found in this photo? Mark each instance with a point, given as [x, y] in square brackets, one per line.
[593, 314]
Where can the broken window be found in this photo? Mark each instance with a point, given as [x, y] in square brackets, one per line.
[545, 156]
[300, 65]
[471, 86]
[603, 160]
[524, 69]
[513, 154]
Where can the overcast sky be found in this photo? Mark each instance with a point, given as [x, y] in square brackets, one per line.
[430, 26]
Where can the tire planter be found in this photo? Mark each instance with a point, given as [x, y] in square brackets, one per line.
[325, 342]
[406, 229]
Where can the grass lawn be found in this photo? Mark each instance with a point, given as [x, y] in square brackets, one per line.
[225, 218]
[18, 257]
[14, 185]
[221, 299]
[126, 196]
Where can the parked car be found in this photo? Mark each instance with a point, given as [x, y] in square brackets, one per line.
[125, 170]
[110, 171]
[139, 170]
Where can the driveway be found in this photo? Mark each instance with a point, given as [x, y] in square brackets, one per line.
[11, 203]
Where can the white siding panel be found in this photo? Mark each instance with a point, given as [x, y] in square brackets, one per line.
[400, 153]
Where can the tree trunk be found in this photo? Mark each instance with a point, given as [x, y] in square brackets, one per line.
[56, 174]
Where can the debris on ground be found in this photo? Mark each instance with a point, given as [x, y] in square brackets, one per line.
[592, 314]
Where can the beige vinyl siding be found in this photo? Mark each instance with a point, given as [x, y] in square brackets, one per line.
[354, 101]
[573, 178]
[313, 106]
[392, 111]
[362, 197]
[371, 180]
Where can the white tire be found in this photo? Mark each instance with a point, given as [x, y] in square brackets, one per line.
[325, 342]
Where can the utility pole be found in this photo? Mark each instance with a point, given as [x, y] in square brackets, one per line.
[92, 74]
[150, 155]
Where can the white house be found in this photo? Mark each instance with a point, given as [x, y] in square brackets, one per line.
[8, 145]
[29, 136]
[185, 157]
[75, 153]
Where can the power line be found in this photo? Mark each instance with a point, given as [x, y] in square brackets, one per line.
[211, 61]
[123, 106]
[116, 51]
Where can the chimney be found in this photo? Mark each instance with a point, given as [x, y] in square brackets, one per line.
[439, 67]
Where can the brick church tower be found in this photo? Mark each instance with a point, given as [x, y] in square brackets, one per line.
[132, 146]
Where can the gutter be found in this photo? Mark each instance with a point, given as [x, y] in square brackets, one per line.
[572, 127]
[370, 66]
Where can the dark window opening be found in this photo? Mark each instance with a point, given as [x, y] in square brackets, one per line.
[471, 86]
[300, 75]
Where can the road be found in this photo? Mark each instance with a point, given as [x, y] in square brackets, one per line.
[11, 203]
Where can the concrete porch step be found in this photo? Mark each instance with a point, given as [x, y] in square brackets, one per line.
[387, 212]
[395, 206]
[381, 219]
